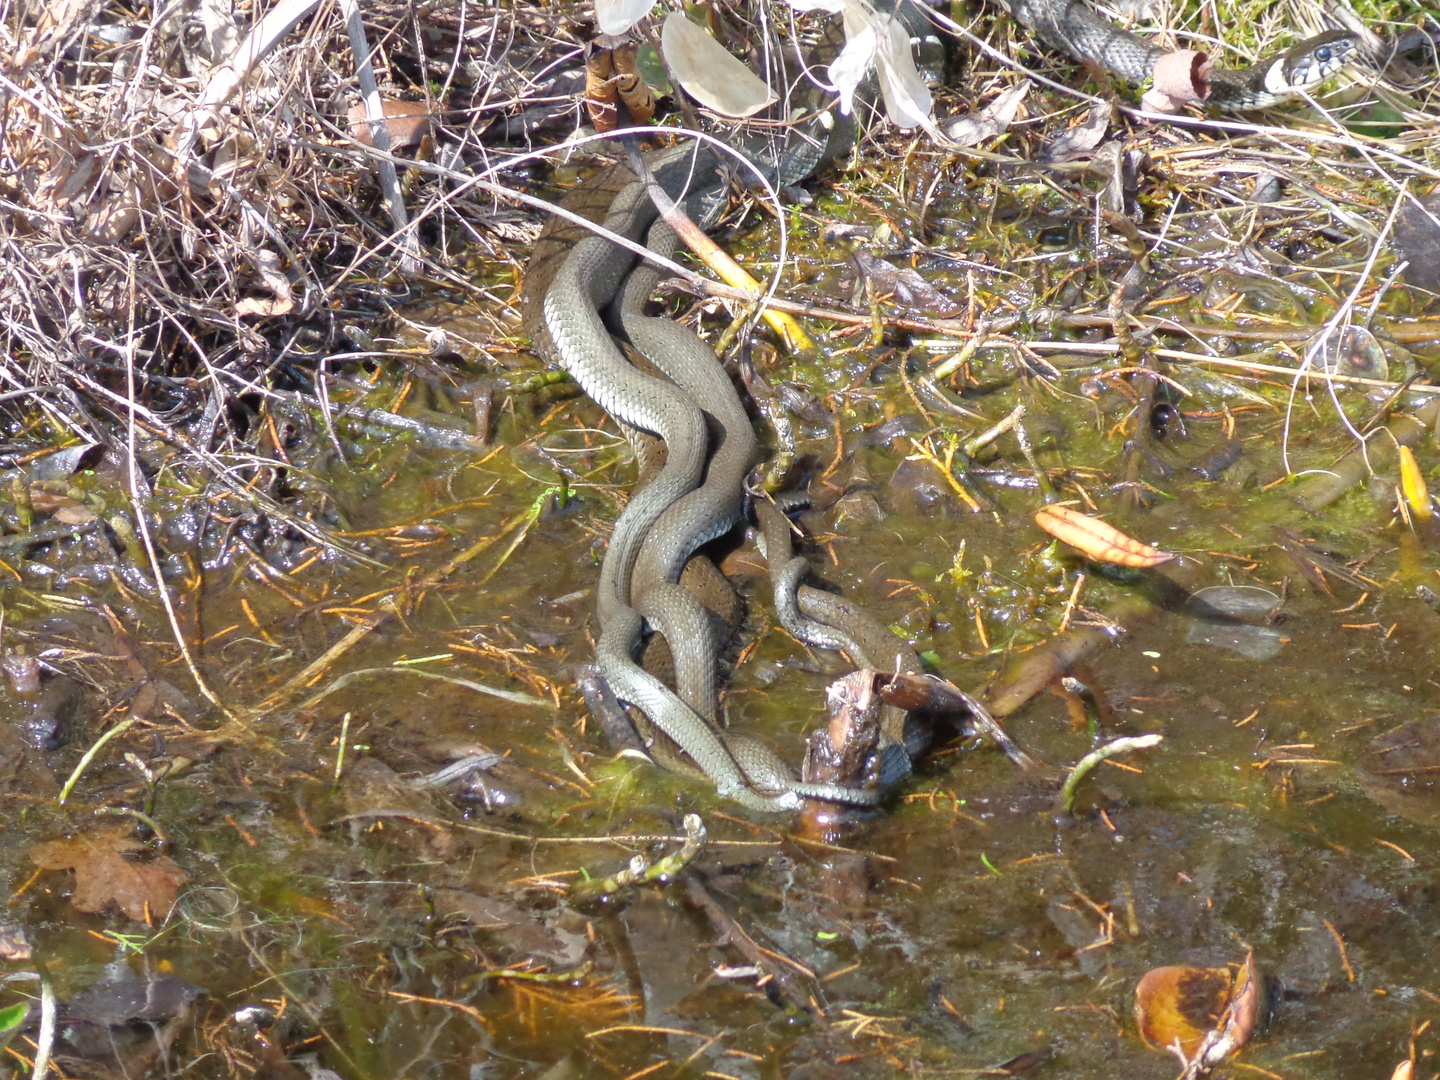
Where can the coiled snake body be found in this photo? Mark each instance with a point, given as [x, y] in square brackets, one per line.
[663, 519]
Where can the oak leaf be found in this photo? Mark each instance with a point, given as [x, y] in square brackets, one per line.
[102, 873]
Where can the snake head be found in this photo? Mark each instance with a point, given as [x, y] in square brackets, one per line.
[1305, 66]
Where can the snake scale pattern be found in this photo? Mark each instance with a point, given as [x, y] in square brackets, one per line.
[1076, 28]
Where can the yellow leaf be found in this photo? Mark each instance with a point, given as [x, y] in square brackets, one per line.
[1413, 486]
[1097, 539]
[1201, 1015]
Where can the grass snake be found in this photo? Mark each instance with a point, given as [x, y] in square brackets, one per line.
[584, 284]
[665, 517]
[701, 515]
[666, 521]
[1074, 27]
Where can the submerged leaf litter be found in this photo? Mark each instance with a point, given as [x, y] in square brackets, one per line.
[372, 839]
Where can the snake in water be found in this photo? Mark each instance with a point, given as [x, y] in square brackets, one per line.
[701, 515]
[585, 283]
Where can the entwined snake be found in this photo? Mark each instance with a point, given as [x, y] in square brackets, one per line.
[664, 524]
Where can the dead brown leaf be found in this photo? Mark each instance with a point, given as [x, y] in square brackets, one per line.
[1079, 140]
[407, 123]
[267, 264]
[631, 85]
[74, 515]
[990, 122]
[1180, 77]
[602, 96]
[63, 508]
[1417, 235]
[906, 287]
[103, 874]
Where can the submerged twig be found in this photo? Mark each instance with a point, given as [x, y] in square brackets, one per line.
[89, 756]
[640, 870]
[775, 971]
[512, 696]
[1066, 799]
[376, 619]
[45, 1038]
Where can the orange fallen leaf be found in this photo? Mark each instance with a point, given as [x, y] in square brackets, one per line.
[1180, 1005]
[103, 874]
[1097, 539]
[1200, 1015]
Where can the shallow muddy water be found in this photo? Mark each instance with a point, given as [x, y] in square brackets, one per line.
[391, 929]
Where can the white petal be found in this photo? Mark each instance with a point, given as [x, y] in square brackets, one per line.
[907, 98]
[852, 64]
[708, 73]
[617, 16]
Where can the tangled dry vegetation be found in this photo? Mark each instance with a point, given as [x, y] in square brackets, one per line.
[194, 237]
